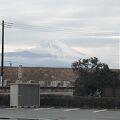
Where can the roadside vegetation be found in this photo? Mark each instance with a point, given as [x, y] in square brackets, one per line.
[93, 76]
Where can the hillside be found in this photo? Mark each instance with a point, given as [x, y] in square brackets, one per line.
[40, 74]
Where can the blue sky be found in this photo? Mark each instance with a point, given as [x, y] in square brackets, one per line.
[88, 26]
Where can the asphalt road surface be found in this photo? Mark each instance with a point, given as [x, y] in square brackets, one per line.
[57, 114]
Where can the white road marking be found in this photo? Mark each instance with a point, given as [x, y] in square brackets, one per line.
[96, 111]
[10, 108]
[27, 118]
[43, 108]
[67, 110]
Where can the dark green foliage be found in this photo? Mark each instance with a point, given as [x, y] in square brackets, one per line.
[92, 76]
[70, 101]
[4, 100]
[79, 102]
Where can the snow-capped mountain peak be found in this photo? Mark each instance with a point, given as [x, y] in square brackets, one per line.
[51, 53]
[56, 48]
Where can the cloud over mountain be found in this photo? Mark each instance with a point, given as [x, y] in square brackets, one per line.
[49, 54]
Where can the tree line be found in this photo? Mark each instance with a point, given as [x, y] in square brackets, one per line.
[93, 76]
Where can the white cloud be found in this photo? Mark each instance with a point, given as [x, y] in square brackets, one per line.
[107, 55]
[78, 23]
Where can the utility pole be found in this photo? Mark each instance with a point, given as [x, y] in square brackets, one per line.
[2, 56]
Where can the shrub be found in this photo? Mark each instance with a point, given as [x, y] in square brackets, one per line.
[79, 102]
[4, 100]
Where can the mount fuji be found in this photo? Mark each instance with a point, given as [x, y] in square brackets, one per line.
[50, 53]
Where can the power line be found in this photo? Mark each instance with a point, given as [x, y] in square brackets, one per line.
[55, 29]
[7, 25]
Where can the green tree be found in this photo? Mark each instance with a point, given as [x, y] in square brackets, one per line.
[92, 75]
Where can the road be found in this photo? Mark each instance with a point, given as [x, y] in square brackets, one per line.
[57, 114]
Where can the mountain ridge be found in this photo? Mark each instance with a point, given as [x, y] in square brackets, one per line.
[48, 53]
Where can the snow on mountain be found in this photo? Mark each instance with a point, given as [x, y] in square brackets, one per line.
[49, 54]
[56, 48]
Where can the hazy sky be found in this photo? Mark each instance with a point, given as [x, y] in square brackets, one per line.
[88, 26]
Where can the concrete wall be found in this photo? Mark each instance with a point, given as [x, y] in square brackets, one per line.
[56, 83]
[57, 90]
[46, 90]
